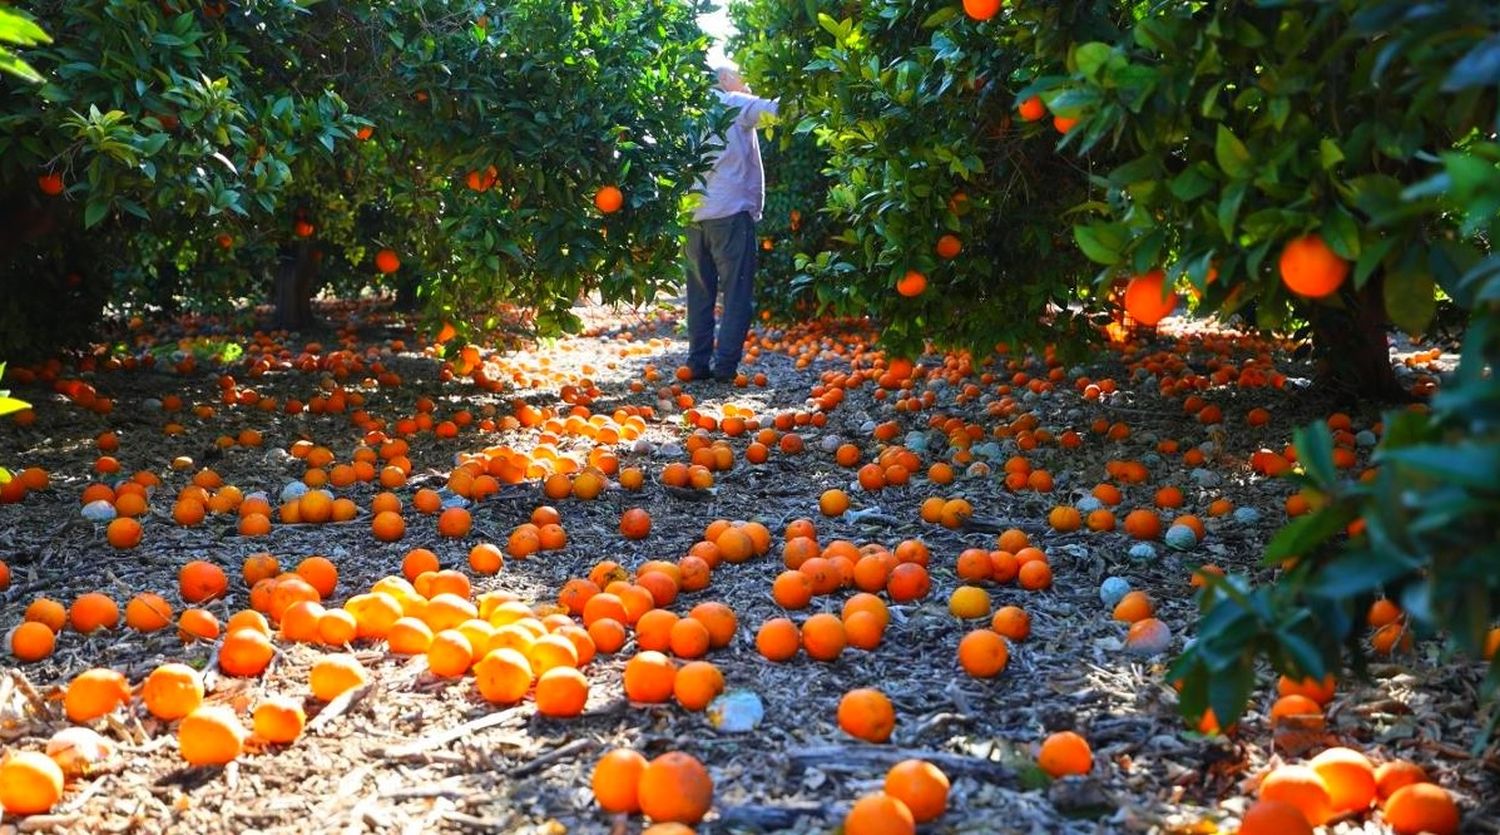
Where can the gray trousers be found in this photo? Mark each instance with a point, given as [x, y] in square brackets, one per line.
[720, 253]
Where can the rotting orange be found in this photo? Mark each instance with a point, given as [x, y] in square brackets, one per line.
[210, 735]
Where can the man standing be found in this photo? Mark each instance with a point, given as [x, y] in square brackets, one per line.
[721, 241]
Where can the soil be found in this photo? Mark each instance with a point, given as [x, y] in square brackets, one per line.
[413, 753]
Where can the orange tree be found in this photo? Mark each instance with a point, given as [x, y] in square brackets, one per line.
[1334, 164]
[202, 154]
[1325, 165]
[1258, 172]
[795, 227]
[944, 204]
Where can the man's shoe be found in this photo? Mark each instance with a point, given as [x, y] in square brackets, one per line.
[725, 376]
[700, 373]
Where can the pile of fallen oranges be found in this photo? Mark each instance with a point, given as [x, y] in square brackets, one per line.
[956, 432]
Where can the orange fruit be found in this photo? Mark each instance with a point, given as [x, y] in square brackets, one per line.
[1065, 753]
[879, 813]
[1349, 776]
[867, 714]
[123, 532]
[616, 781]
[147, 612]
[649, 677]
[320, 573]
[1421, 807]
[698, 683]
[689, 638]
[792, 590]
[245, 652]
[675, 788]
[32, 641]
[201, 581]
[1391, 776]
[92, 611]
[635, 523]
[30, 783]
[1147, 298]
[278, 720]
[561, 692]
[47, 612]
[172, 691]
[1321, 692]
[609, 199]
[1012, 622]
[719, 619]
[1032, 109]
[95, 692]
[968, 602]
[1309, 268]
[503, 676]
[1297, 708]
[912, 284]
[197, 624]
[922, 786]
[983, 653]
[454, 523]
[823, 637]
[450, 654]
[1301, 787]
[210, 735]
[333, 675]
[778, 639]
[1273, 817]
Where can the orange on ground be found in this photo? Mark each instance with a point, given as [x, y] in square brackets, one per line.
[1065, 753]
[675, 788]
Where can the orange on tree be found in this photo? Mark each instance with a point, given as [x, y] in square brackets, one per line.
[1309, 268]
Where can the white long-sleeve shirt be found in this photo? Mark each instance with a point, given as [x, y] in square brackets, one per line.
[737, 182]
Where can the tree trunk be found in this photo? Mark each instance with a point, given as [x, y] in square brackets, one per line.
[294, 283]
[1354, 357]
[406, 295]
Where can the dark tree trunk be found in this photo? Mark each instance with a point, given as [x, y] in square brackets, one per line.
[1353, 355]
[295, 280]
[406, 295]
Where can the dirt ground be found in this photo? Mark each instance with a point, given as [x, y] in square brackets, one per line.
[414, 753]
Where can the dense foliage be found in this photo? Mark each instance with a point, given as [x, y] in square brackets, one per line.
[206, 151]
[1198, 138]
[912, 105]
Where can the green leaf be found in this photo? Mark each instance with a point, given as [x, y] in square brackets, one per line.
[12, 64]
[1102, 243]
[1410, 299]
[1341, 233]
[1092, 57]
[1466, 463]
[1191, 184]
[1314, 445]
[1229, 690]
[939, 17]
[1480, 67]
[1329, 154]
[94, 212]
[19, 30]
[1304, 534]
[1232, 155]
[1229, 206]
[1370, 257]
[11, 404]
